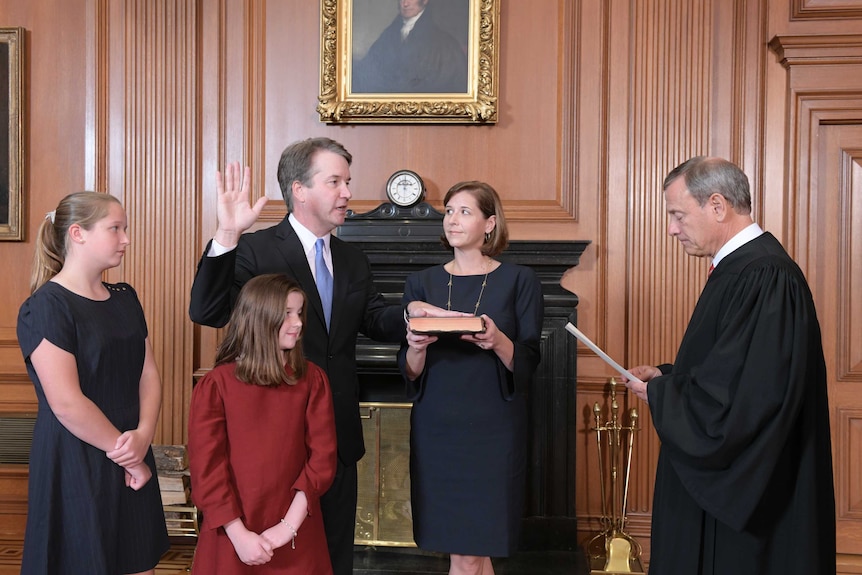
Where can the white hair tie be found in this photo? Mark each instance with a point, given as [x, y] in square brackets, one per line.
[50, 215]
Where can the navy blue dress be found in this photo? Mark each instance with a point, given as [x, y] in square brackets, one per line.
[468, 434]
[81, 517]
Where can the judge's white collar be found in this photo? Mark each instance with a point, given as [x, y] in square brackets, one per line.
[743, 237]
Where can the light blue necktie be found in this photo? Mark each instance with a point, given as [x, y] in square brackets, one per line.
[324, 280]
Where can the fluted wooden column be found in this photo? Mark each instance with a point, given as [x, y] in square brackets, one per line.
[150, 161]
[672, 98]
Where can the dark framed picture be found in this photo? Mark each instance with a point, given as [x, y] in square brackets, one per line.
[409, 61]
[11, 153]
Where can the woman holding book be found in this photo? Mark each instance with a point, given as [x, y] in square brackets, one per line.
[468, 423]
[262, 446]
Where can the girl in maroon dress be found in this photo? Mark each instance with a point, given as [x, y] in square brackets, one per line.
[262, 446]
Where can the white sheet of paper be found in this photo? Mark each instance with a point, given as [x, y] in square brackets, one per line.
[607, 359]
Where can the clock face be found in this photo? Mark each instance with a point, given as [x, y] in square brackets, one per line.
[405, 188]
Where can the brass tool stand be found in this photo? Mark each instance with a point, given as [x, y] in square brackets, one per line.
[613, 551]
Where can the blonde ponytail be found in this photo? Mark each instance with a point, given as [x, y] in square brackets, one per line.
[82, 208]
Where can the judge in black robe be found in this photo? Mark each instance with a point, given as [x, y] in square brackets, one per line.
[744, 477]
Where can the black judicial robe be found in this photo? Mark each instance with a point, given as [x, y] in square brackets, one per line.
[744, 477]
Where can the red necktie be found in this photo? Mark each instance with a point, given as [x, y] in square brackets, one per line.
[711, 267]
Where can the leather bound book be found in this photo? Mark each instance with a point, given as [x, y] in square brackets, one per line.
[447, 325]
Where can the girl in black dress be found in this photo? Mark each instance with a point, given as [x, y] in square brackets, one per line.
[94, 504]
[468, 422]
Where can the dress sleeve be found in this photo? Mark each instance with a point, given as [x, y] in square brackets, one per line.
[213, 488]
[140, 316]
[529, 315]
[319, 470]
[413, 291]
[726, 422]
[46, 316]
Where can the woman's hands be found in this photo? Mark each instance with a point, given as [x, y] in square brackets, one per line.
[489, 339]
[419, 342]
[492, 339]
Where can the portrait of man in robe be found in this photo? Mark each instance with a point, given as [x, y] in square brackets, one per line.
[410, 46]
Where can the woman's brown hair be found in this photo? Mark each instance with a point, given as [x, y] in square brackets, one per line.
[252, 335]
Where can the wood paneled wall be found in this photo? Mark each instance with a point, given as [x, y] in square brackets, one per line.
[823, 174]
[598, 101]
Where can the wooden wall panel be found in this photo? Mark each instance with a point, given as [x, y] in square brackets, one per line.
[824, 213]
[54, 159]
[152, 135]
[831, 197]
[848, 484]
[13, 501]
[825, 9]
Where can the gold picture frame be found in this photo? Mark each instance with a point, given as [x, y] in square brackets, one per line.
[11, 137]
[356, 89]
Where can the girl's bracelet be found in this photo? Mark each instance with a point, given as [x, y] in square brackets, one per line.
[292, 530]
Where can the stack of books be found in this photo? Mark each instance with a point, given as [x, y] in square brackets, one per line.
[172, 465]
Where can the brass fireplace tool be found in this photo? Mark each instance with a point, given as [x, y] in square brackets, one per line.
[613, 551]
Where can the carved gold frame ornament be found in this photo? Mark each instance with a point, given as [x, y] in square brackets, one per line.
[477, 105]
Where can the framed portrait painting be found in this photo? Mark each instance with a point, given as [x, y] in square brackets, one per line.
[409, 61]
[11, 153]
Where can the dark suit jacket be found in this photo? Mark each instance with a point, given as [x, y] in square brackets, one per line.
[357, 307]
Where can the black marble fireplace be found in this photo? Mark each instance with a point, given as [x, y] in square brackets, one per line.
[399, 241]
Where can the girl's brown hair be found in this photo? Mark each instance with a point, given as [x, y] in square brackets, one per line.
[82, 208]
[490, 205]
[252, 335]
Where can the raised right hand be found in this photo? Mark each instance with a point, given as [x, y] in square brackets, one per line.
[234, 213]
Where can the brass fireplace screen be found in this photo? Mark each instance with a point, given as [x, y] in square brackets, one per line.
[383, 514]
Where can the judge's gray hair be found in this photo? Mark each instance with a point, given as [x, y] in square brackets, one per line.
[705, 176]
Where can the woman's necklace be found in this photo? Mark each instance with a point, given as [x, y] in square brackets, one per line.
[482, 291]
